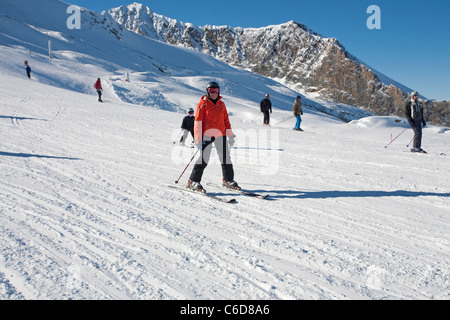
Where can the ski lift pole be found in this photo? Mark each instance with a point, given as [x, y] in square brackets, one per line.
[395, 138]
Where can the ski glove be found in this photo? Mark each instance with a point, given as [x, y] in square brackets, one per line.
[200, 144]
[232, 141]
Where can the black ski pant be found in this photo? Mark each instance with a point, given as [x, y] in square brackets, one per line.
[223, 152]
[266, 117]
[99, 95]
[417, 128]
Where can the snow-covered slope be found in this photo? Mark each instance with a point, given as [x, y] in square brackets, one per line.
[102, 43]
[85, 211]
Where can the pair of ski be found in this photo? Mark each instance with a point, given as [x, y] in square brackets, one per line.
[424, 152]
[243, 192]
[192, 146]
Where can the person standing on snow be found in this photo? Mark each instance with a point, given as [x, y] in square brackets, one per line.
[297, 109]
[212, 125]
[266, 106]
[98, 87]
[414, 114]
[187, 126]
[28, 69]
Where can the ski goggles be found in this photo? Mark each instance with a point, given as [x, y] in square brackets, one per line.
[214, 90]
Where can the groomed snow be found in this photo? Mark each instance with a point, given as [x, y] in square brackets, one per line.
[85, 211]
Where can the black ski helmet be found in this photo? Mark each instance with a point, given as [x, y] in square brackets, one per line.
[212, 84]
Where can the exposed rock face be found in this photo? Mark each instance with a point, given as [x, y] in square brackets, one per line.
[438, 112]
[290, 52]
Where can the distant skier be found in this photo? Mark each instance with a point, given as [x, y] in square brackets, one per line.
[212, 125]
[98, 87]
[266, 106]
[28, 69]
[414, 114]
[187, 126]
[297, 109]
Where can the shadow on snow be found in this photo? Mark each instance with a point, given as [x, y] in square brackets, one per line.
[29, 155]
[20, 118]
[290, 194]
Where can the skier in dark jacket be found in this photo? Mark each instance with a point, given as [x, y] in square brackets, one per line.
[187, 126]
[266, 107]
[414, 114]
[28, 71]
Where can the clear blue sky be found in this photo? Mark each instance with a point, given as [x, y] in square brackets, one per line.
[412, 46]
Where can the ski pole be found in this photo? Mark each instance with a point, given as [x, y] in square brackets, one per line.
[410, 142]
[187, 165]
[284, 120]
[176, 139]
[255, 117]
[395, 138]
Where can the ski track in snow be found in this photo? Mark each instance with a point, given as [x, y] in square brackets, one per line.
[86, 214]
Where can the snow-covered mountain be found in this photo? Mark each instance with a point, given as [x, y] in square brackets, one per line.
[104, 41]
[291, 53]
[85, 207]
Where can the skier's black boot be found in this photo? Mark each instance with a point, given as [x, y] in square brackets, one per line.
[195, 186]
[230, 185]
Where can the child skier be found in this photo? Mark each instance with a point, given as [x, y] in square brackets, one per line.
[187, 126]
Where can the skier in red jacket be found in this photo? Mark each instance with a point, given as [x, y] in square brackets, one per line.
[98, 87]
[212, 125]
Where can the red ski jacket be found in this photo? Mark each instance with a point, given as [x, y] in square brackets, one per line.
[98, 85]
[211, 120]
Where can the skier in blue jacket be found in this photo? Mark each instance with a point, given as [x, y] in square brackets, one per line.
[28, 71]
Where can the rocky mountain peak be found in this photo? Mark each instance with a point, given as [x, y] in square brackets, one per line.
[290, 52]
